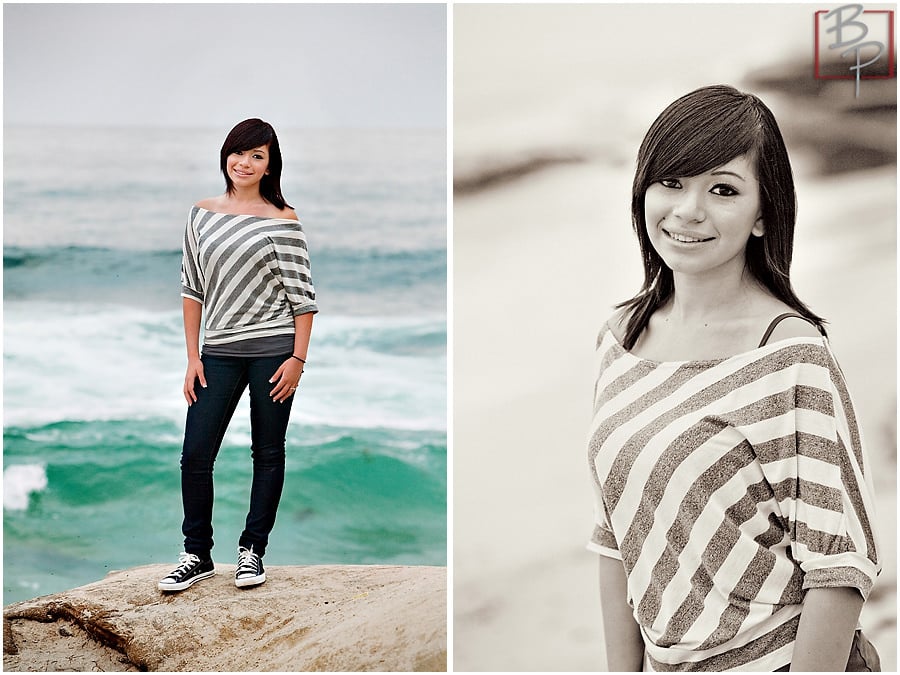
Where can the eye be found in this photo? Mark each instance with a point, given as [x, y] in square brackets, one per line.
[257, 156]
[671, 183]
[724, 190]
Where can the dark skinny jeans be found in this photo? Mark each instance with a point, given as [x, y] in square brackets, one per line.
[227, 377]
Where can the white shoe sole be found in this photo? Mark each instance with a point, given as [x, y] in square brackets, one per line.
[250, 581]
[184, 584]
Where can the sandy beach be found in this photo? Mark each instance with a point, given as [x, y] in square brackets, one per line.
[541, 254]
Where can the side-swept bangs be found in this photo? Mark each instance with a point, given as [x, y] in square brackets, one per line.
[247, 135]
[693, 137]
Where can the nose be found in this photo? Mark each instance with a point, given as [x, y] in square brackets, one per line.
[689, 205]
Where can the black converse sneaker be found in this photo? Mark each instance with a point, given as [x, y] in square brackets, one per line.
[190, 570]
[250, 570]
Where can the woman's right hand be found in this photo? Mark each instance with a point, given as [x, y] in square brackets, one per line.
[194, 373]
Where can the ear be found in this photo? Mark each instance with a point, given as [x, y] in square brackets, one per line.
[759, 228]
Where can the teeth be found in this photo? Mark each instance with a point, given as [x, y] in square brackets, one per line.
[683, 238]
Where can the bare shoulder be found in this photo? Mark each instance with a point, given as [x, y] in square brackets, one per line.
[210, 203]
[288, 214]
[793, 327]
[272, 211]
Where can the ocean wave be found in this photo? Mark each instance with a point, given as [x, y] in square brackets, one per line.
[352, 496]
[78, 362]
[364, 282]
[89, 275]
[399, 336]
[107, 462]
[19, 482]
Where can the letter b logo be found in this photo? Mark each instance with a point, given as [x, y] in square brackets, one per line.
[854, 44]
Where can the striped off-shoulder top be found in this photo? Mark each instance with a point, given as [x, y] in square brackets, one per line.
[250, 273]
[727, 488]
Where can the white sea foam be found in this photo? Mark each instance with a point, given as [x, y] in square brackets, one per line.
[89, 363]
[19, 481]
[101, 363]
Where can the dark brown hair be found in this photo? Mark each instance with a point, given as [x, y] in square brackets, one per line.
[700, 131]
[251, 134]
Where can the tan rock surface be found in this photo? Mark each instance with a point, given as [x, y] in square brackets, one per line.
[327, 617]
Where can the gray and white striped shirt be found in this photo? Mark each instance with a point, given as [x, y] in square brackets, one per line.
[728, 488]
[250, 273]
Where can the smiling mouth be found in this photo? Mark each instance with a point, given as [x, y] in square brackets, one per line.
[686, 239]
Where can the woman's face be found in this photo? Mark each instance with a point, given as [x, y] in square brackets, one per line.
[247, 167]
[701, 224]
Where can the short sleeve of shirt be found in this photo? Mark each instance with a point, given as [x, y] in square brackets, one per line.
[602, 540]
[293, 269]
[191, 277]
[817, 469]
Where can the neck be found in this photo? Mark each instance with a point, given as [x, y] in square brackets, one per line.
[710, 298]
[246, 195]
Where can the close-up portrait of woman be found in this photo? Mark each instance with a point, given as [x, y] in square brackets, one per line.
[674, 384]
[734, 501]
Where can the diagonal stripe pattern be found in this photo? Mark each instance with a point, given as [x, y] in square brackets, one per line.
[727, 488]
[250, 273]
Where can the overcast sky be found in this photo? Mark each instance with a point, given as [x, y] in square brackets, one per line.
[314, 65]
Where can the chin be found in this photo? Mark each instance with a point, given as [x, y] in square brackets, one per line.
[702, 267]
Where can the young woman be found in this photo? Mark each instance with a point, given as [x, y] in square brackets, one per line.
[733, 496]
[245, 267]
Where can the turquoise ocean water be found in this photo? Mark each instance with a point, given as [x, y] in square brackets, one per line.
[94, 353]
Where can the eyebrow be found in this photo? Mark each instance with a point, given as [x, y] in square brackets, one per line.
[729, 173]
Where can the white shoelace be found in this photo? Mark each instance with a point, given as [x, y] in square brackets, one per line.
[185, 561]
[248, 562]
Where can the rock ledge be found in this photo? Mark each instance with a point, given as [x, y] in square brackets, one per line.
[324, 617]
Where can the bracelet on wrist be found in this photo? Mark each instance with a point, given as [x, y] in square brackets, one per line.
[293, 356]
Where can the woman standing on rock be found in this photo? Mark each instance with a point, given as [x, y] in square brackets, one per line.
[245, 267]
[733, 495]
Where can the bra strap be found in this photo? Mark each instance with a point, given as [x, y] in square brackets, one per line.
[777, 320]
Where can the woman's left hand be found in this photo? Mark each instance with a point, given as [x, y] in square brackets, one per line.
[286, 379]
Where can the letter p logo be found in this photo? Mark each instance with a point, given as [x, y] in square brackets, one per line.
[854, 43]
